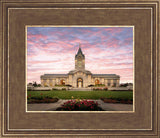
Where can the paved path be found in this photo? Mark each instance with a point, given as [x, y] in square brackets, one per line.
[53, 106]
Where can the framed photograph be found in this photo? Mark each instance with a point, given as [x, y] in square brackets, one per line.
[79, 68]
[65, 55]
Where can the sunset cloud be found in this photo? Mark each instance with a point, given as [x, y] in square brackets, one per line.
[108, 50]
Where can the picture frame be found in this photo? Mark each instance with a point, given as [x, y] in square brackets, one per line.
[143, 15]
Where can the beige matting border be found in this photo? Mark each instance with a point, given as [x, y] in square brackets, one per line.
[80, 111]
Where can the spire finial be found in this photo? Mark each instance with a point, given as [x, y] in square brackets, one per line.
[79, 45]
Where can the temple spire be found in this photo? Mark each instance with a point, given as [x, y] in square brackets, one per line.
[79, 51]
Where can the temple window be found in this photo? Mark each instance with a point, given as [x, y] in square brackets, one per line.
[62, 82]
[114, 84]
[96, 81]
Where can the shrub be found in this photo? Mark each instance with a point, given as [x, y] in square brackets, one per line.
[99, 85]
[95, 89]
[64, 89]
[40, 97]
[90, 85]
[100, 89]
[56, 85]
[35, 84]
[54, 89]
[68, 85]
[48, 97]
[45, 100]
[110, 99]
[105, 89]
[39, 85]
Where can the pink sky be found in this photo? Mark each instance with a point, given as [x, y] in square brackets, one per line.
[108, 50]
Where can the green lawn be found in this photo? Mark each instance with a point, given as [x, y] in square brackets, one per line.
[83, 94]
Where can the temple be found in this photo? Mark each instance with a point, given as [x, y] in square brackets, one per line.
[80, 77]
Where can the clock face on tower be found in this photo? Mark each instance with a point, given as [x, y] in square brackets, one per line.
[79, 58]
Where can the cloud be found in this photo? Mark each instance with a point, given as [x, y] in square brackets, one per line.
[107, 50]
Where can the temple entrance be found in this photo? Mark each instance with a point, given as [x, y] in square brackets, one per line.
[62, 82]
[96, 81]
[79, 83]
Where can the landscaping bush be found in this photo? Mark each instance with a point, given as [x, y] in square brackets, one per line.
[48, 97]
[45, 100]
[56, 85]
[80, 105]
[41, 99]
[54, 89]
[105, 89]
[100, 89]
[99, 85]
[90, 85]
[64, 89]
[68, 85]
[117, 100]
[39, 85]
[37, 97]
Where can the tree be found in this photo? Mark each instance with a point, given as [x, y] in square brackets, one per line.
[35, 84]
[39, 85]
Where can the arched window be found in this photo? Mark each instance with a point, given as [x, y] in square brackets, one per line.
[62, 82]
[96, 81]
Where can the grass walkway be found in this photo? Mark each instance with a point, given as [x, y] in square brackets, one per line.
[83, 94]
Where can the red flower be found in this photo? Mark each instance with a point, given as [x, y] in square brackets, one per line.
[41, 93]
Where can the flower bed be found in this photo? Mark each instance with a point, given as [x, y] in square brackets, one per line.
[41, 99]
[110, 100]
[45, 100]
[80, 105]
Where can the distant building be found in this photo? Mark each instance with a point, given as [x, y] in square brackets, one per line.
[79, 77]
[30, 86]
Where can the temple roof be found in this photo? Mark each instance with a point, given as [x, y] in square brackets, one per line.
[84, 71]
[75, 71]
[105, 75]
[54, 75]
